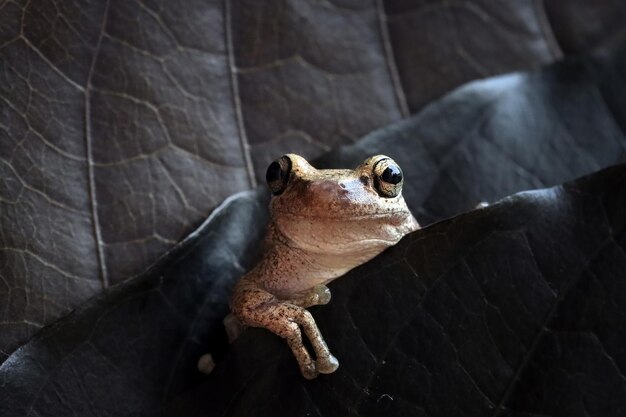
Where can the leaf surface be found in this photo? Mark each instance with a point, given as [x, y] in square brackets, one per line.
[134, 349]
[515, 309]
[124, 123]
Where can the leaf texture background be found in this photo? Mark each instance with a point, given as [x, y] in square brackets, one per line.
[124, 123]
[133, 350]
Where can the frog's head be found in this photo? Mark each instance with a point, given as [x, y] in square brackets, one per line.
[339, 210]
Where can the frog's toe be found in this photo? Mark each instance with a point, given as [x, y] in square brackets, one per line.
[327, 365]
[323, 294]
[309, 371]
[206, 364]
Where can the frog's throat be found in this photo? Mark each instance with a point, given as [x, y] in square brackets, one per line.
[287, 269]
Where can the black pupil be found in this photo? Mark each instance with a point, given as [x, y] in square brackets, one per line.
[274, 172]
[392, 175]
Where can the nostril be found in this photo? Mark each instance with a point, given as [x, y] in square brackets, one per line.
[342, 185]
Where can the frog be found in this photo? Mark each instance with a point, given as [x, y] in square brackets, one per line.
[323, 223]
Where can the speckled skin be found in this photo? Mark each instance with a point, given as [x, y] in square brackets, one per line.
[323, 224]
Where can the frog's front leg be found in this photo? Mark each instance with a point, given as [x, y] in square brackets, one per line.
[325, 362]
[318, 295]
[254, 306]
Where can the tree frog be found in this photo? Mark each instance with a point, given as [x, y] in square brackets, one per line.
[322, 224]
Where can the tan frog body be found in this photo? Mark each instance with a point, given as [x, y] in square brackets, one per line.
[323, 223]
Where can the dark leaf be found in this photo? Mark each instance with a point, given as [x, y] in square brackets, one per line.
[123, 123]
[126, 350]
[517, 309]
[580, 25]
[474, 39]
[135, 347]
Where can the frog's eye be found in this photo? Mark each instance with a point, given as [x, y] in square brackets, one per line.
[387, 177]
[277, 175]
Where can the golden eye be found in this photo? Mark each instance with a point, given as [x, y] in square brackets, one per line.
[387, 177]
[277, 174]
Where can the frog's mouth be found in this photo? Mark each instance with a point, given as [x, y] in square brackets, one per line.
[339, 217]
